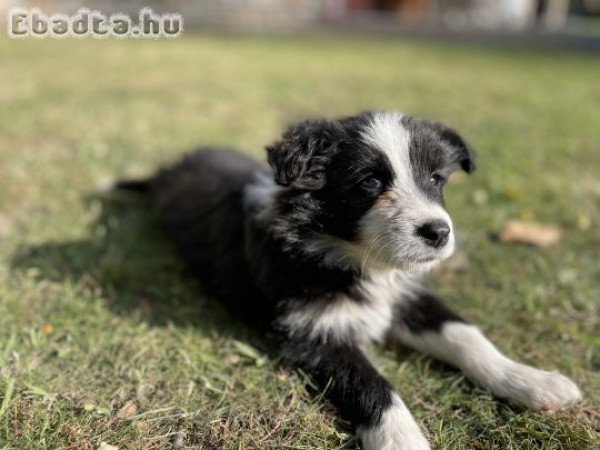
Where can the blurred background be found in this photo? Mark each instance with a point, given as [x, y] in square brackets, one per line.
[573, 16]
[106, 342]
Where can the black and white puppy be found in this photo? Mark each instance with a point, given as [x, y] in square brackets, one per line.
[327, 247]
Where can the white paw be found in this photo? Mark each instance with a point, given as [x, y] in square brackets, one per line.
[396, 431]
[537, 389]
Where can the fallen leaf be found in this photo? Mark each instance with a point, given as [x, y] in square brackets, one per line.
[541, 235]
[127, 411]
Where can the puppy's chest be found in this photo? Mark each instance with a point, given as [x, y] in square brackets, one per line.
[364, 316]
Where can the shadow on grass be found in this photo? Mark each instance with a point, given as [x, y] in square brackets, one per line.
[128, 261]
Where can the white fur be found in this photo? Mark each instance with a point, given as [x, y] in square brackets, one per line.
[389, 231]
[396, 431]
[465, 347]
[345, 319]
[386, 133]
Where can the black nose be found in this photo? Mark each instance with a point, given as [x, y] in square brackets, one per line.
[434, 233]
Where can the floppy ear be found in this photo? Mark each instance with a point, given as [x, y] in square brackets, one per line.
[462, 153]
[300, 157]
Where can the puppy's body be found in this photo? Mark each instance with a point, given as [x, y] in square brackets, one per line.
[200, 202]
[327, 248]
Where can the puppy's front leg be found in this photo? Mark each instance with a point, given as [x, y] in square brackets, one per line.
[426, 324]
[360, 392]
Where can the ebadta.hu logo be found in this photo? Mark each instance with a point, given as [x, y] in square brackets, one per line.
[32, 22]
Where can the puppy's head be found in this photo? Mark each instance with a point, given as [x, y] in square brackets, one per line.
[375, 182]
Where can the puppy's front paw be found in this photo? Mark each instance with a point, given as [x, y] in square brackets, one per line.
[539, 389]
[397, 430]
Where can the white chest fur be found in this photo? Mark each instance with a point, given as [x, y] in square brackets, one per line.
[346, 318]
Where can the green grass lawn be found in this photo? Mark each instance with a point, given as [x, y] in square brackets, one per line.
[103, 337]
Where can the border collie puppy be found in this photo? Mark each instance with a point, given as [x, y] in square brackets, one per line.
[327, 246]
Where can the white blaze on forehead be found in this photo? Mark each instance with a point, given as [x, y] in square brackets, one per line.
[386, 133]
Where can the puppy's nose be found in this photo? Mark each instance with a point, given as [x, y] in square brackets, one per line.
[434, 233]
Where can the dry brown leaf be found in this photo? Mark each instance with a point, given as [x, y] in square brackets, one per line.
[541, 235]
[127, 411]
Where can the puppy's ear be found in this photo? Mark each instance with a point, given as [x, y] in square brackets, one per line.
[462, 153]
[300, 157]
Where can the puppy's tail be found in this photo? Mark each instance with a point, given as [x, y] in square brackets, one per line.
[141, 186]
[138, 186]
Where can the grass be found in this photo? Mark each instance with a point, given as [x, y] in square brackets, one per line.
[103, 337]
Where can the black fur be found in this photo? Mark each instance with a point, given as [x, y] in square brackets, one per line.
[133, 185]
[426, 157]
[299, 159]
[426, 312]
[199, 203]
[352, 383]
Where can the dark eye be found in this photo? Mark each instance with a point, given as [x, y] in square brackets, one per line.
[372, 183]
[437, 179]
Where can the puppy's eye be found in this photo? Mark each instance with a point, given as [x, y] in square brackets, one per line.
[437, 179]
[372, 183]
